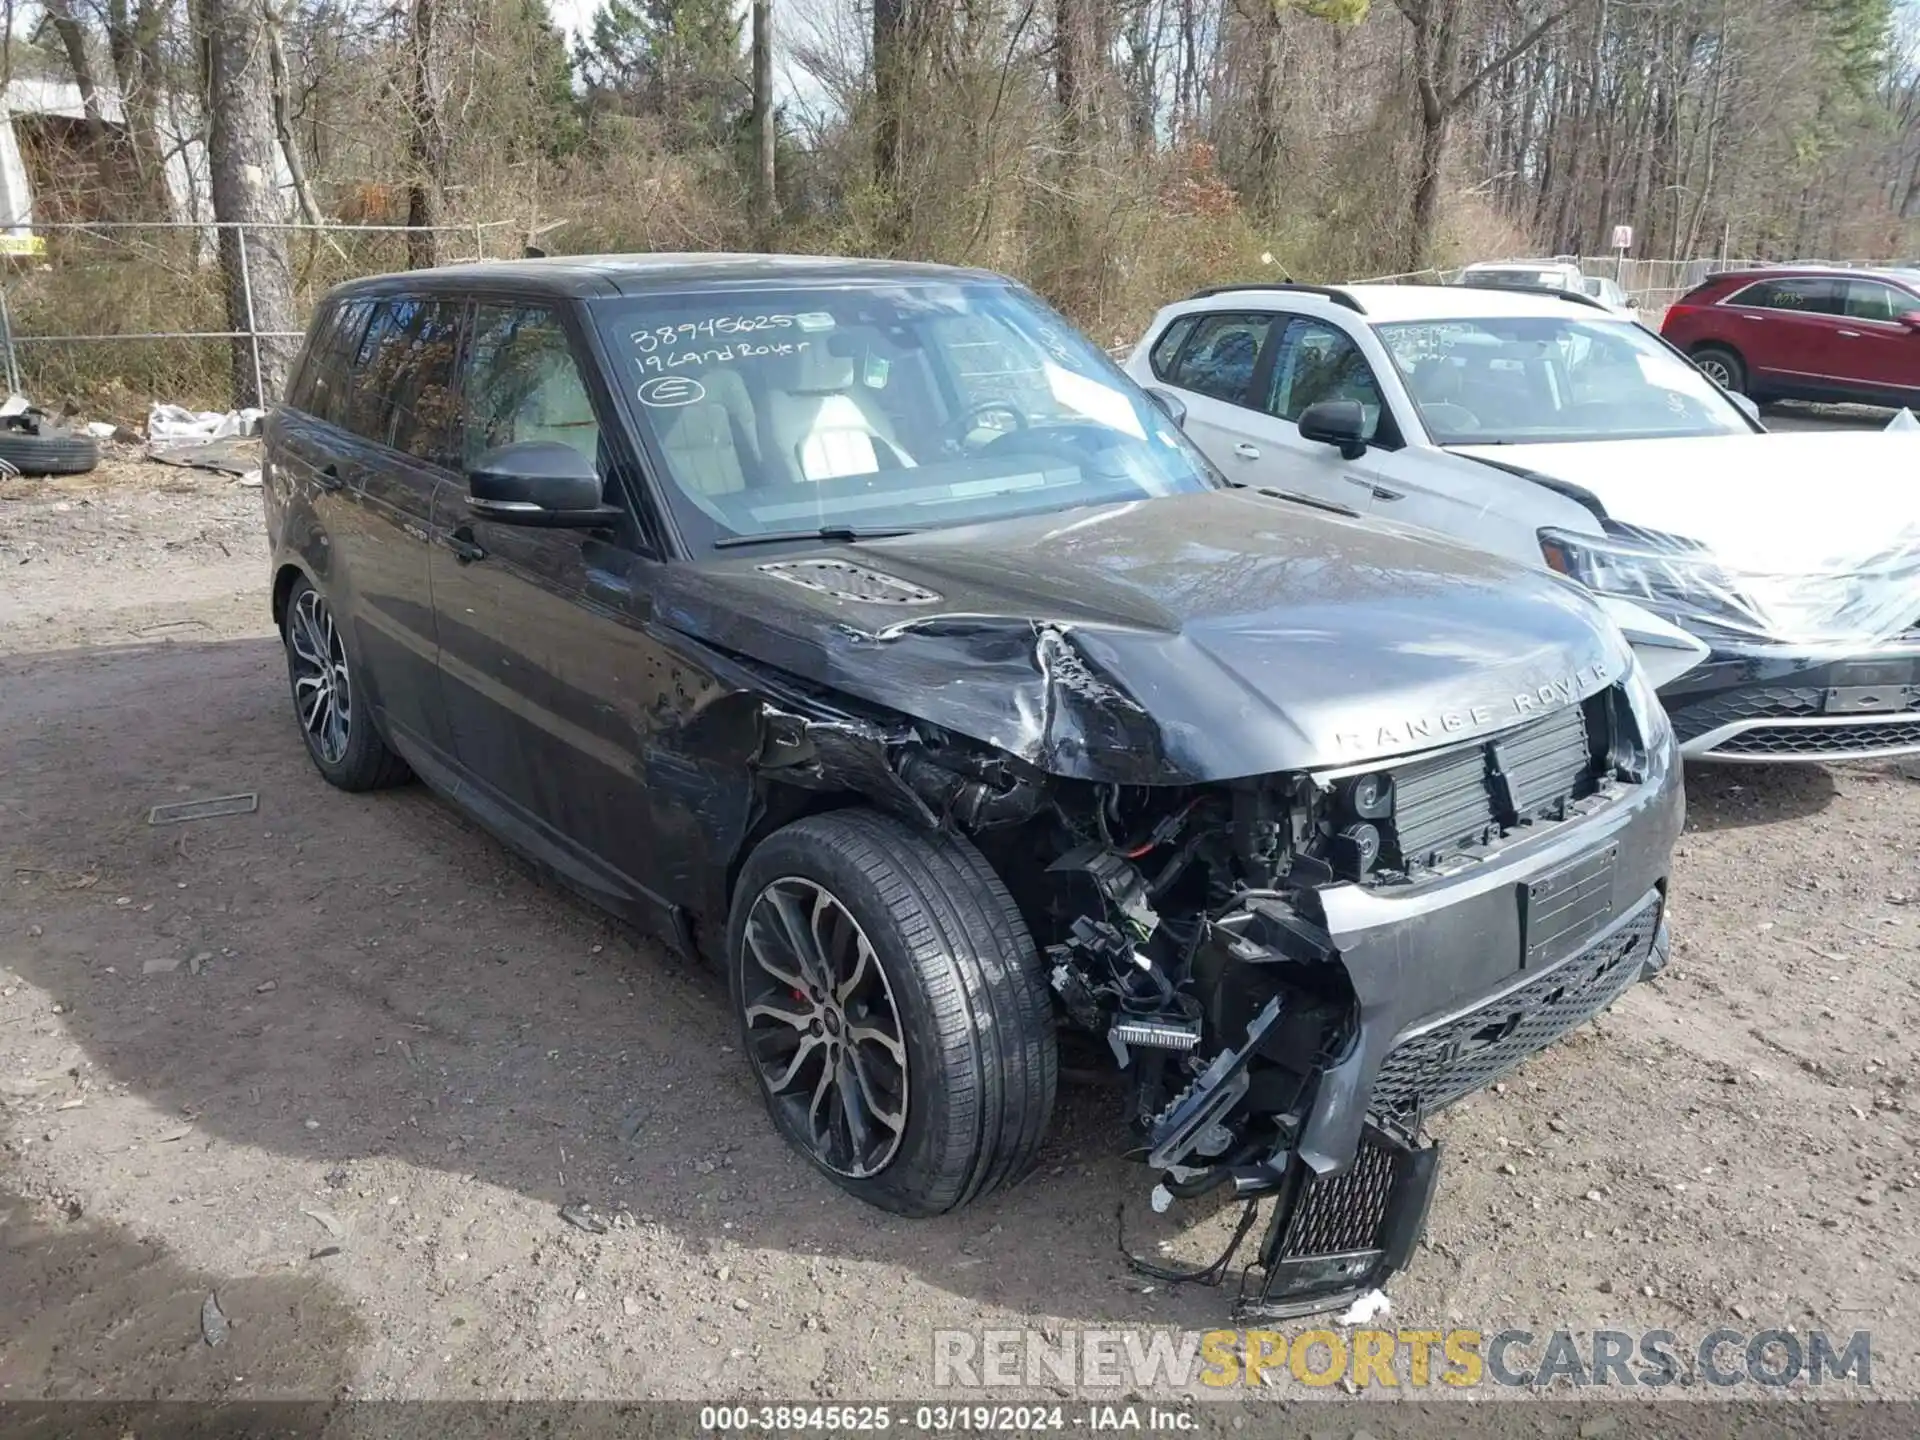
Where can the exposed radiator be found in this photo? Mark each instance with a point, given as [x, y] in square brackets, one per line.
[1469, 795]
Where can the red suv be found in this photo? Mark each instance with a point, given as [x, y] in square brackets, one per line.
[1799, 333]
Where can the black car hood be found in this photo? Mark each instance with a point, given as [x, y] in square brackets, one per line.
[1195, 638]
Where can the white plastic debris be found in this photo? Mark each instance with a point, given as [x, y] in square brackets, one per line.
[1162, 1199]
[1903, 420]
[1369, 1307]
[15, 405]
[174, 423]
[101, 429]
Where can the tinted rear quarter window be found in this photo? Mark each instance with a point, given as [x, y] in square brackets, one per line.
[1167, 348]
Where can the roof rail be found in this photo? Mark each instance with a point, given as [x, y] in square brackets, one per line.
[1326, 292]
[1551, 292]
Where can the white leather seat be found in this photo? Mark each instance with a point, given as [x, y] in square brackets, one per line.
[711, 445]
[826, 430]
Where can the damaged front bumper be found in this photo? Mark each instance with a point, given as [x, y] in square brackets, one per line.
[1451, 984]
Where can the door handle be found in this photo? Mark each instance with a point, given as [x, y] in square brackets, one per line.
[465, 549]
[1848, 334]
[1379, 492]
[329, 477]
[1246, 451]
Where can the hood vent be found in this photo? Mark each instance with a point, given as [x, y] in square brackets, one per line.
[846, 581]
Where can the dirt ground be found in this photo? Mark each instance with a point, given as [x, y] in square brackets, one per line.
[341, 1061]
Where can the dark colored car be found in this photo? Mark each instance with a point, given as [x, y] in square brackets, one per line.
[1803, 333]
[862, 627]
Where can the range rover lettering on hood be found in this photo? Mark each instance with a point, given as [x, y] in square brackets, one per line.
[1437, 728]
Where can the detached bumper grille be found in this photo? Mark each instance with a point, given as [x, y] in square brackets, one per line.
[1468, 796]
[1438, 1066]
[1344, 1211]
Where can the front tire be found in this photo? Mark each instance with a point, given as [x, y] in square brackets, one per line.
[1721, 366]
[892, 1007]
[341, 740]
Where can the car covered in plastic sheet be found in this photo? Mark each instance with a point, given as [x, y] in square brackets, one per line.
[1769, 583]
[860, 626]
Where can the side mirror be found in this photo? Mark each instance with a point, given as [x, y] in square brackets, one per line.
[1175, 407]
[1910, 319]
[1341, 423]
[538, 482]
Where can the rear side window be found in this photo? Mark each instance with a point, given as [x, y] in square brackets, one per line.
[424, 409]
[376, 369]
[322, 382]
[1219, 359]
[1167, 347]
[1811, 295]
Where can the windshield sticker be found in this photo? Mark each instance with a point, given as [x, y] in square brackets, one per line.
[814, 320]
[666, 392]
[670, 360]
[876, 371]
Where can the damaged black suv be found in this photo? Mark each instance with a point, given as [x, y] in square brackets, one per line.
[862, 627]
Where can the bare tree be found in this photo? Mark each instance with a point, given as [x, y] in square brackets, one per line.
[73, 40]
[133, 43]
[426, 153]
[1441, 92]
[242, 168]
[765, 196]
[890, 62]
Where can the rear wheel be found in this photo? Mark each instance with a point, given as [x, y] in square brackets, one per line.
[892, 1007]
[1722, 366]
[340, 737]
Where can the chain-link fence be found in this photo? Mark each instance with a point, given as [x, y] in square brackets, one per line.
[115, 316]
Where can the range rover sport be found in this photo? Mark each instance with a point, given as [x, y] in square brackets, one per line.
[862, 627]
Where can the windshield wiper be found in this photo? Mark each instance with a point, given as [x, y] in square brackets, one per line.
[846, 534]
[1312, 501]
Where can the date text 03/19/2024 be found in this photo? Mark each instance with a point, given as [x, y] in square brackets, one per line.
[943, 1419]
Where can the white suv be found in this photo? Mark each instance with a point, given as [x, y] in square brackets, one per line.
[1547, 428]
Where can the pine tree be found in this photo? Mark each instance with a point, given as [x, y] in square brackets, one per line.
[678, 61]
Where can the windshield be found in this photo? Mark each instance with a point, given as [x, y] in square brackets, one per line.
[1540, 380]
[884, 407]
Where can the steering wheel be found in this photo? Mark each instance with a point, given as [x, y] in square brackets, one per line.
[969, 419]
[1456, 419]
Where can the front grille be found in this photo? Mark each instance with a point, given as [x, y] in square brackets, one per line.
[1470, 1051]
[1814, 742]
[1766, 703]
[1342, 1212]
[1776, 702]
[1468, 796]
